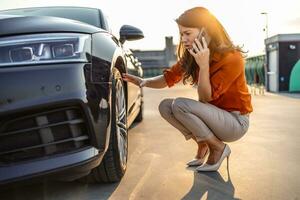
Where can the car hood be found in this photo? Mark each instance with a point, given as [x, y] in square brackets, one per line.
[15, 25]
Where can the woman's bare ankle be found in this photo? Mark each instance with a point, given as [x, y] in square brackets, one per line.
[214, 156]
[202, 150]
[215, 144]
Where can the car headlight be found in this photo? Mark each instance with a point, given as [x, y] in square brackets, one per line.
[45, 48]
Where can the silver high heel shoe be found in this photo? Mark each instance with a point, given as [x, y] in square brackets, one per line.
[198, 161]
[206, 167]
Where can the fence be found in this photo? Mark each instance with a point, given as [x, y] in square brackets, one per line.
[153, 71]
[255, 73]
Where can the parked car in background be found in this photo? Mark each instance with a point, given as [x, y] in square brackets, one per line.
[64, 108]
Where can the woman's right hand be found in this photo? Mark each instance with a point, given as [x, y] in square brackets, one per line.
[134, 79]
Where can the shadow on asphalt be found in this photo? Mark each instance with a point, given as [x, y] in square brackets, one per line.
[210, 186]
[57, 190]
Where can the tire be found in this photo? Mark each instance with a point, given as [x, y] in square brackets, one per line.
[139, 117]
[114, 163]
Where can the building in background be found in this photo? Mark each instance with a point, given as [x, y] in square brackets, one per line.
[283, 64]
[155, 61]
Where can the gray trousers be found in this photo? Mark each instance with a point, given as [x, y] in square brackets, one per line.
[203, 120]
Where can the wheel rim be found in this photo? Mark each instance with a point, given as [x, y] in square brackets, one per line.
[121, 129]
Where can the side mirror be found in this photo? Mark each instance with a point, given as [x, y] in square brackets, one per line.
[130, 33]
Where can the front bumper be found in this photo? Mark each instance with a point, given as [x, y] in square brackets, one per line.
[50, 119]
[54, 164]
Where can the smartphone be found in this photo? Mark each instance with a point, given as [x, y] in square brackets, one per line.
[199, 37]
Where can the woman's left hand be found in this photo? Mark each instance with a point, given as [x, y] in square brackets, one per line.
[200, 53]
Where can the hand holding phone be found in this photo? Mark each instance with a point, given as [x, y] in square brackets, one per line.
[200, 50]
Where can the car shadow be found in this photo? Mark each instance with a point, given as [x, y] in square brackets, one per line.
[210, 185]
[58, 190]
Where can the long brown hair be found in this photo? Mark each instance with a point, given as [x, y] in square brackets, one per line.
[199, 17]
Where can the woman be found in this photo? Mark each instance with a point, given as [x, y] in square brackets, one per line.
[209, 60]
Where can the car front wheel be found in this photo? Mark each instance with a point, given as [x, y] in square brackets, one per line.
[114, 163]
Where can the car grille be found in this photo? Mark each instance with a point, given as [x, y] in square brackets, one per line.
[41, 134]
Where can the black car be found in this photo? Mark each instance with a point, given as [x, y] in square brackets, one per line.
[64, 108]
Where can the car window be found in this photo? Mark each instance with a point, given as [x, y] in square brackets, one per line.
[86, 15]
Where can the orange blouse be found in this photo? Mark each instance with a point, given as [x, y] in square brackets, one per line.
[228, 82]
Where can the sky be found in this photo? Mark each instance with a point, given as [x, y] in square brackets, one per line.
[241, 18]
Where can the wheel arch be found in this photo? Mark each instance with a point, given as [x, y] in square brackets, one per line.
[120, 65]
